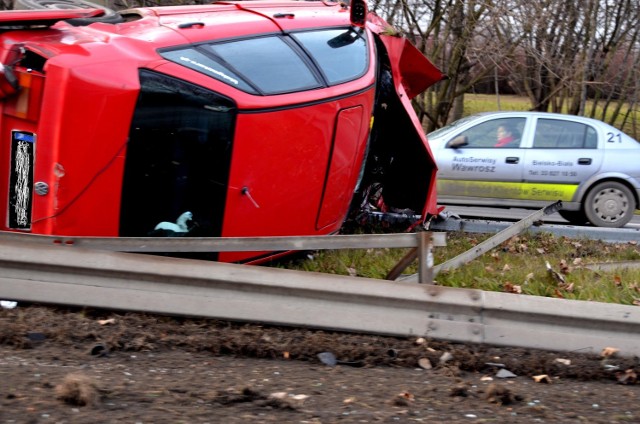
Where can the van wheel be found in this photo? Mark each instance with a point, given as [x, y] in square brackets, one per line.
[609, 204]
[109, 16]
[574, 217]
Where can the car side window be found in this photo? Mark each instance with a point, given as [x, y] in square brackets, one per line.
[278, 64]
[198, 61]
[341, 54]
[561, 134]
[178, 156]
[502, 133]
[269, 62]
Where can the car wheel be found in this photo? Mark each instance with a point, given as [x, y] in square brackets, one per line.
[574, 217]
[609, 204]
[109, 16]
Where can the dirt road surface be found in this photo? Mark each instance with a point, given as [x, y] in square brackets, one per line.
[88, 366]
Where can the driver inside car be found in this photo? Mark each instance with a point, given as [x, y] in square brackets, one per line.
[506, 137]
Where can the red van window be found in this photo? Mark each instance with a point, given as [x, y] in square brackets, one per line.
[178, 157]
[278, 64]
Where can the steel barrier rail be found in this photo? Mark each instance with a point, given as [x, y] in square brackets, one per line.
[610, 235]
[227, 244]
[124, 281]
[486, 245]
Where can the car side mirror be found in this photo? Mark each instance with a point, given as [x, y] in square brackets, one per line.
[459, 141]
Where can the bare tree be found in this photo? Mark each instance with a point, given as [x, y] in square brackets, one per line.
[575, 57]
[454, 34]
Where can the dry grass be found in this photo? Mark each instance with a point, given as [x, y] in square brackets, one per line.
[516, 266]
[78, 390]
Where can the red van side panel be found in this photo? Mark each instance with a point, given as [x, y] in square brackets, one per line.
[347, 154]
[266, 157]
[81, 148]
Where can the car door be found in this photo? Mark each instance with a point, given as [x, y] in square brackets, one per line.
[478, 168]
[563, 154]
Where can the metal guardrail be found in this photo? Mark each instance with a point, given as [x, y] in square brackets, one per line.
[488, 244]
[422, 244]
[610, 235]
[124, 281]
[227, 244]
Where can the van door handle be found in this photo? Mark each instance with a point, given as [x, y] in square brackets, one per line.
[584, 161]
[512, 159]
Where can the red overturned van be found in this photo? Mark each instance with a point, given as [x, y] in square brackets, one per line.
[232, 119]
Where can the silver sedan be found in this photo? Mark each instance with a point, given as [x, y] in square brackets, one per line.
[530, 159]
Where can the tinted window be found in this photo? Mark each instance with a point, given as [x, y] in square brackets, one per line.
[272, 65]
[341, 54]
[191, 58]
[560, 134]
[280, 63]
[178, 157]
[505, 132]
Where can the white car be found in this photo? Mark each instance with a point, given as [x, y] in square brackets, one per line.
[531, 159]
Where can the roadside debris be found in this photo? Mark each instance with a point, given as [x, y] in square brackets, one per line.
[608, 352]
[36, 337]
[542, 378]
[425, 363]
[497, 393]
[99, 350]
[8, 304]
[78, 390]
[627, 377]
[459, 390]
[554, 274]
[504, 373]
[330, 359]
[445, 357]
[403, 399]
[291, 399]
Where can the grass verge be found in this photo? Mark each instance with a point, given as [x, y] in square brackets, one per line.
[519, 265]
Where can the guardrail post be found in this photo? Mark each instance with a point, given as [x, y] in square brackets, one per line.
[403, 264]
[425, 258]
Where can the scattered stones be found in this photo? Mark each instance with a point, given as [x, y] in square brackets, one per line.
[542, 378]
[445, 357]
[608, 352]
[425, 363]
[504, 373]
[627, 377]
[328, 358]
[8, 304]
[497, 393]
[460, 390]
[403, 399]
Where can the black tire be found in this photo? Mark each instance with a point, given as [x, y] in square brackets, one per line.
[609, 204]
[109, 16]
[574, 217]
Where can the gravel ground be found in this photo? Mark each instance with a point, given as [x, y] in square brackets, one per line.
[86, 366]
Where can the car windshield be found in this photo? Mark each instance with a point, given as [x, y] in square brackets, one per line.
[452, 126]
